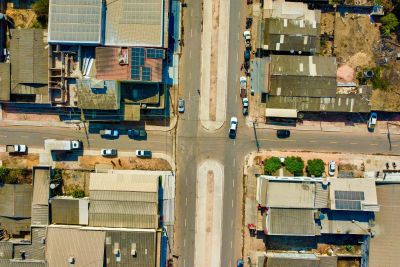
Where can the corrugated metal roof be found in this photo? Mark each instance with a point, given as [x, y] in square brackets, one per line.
[290, 195]
[64, 211]
[75, 21]
[135, 23]
[41, 180]
[86, 247]
[40, 215]
[124, 196]
[291, 262]
[107, 64]
[15, 226]
[22, 263]
[15, 200]
[35, 250]
[303, 86]
[124, 182]
[296, 222]
[321, 196]
[144, 244]
[131, 112]
[6, 250]
[314, 66]
[29, 62]
[123, 207]
[298, 27]
[103, 95]
[5, 81]
[327, 261]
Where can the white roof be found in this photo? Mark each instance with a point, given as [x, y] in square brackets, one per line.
[281, 112]
[290, 195]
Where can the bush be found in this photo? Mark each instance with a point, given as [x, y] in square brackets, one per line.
[4, 174]
[14, 176]
[389, 24]
[78, 193]
[271, 165]
[294, 165]
[41, 8]
[57, 176]
[315, 167]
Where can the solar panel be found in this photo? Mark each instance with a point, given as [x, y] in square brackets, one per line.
[155, 53]
[135, 73]
[349, 195]
[138, 56]
[146, 73]
[348, 204]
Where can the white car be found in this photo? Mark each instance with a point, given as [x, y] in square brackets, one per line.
[245, 106]
[331, 168]
[233, 127]
[181, 105]
[108, 152]
[143, 153]
[373, 118]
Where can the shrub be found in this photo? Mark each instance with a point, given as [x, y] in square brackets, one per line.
[57, 176]
[14, 176]
[271, 165]
[4, 173]
[294, 165]
[41, 8]
[78, 193]
[315, 167]
[389, 24]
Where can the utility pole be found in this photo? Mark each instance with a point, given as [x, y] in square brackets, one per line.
[84, 127]
[388, 136]
[255, 135]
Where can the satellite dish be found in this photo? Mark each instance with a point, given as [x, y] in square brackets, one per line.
[53, 186]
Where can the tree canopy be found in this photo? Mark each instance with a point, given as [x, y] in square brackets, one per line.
[389, 24]
[315, 167]
[294, 165]
[271, 165]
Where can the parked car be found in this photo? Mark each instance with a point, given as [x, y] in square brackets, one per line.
[246, 55]
[249, 22]
[233, 127]
[331, 168]
[247, 39]
[143, 153]
[109, 133]
[245, 106]
[239, 263]
[282, 133]
[243, 86]
[137, 134]
[181, 105]
[110, 152]
[373, 118]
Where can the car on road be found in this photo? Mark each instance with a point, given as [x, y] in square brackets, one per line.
[331, 168]
[246, 55]
[233, 127]
[243, 86]
[245, 106]
[137, 134]
[282, 133]
[143, 153]
[108, 152]
[373, 118]
[109, 133]
[181, 105]
[239, 263]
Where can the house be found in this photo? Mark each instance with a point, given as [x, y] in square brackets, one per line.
[123, 199]
[69, 210]
[303, 206]
[40, 196]
[29, 66]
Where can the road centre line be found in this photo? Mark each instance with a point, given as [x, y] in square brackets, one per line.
[191, 32]
[186, 201]
[232, 203]
[233, 183]
[185, 222]
[238, 37]
[373, 144]
[353, 143]
[236, 98]
[184, 242]
[333, 142]
[237, 56]
[312, 141]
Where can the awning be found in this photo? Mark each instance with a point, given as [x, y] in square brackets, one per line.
[281, 113]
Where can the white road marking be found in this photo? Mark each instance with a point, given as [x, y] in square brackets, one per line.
[353, 143]
[231, 244]
[232, 203]
[237, 56]
[186, 180]
[233, 183]
[191, 32]
[190, 76]
[185, 222]
[184, 242]
[232, 224]
[236, 98]
[24, 136]
[333, 142]
[190, 53]
[312, 141]
[184, 263]
[186, 202]
[238, 37]
[373, 144]
[189, 96]
[234, 142]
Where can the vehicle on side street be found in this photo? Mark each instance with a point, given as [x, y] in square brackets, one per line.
[246, 56]
[245, 106]
[239, 263]
[181, 105]
[243, 86]
[62, 145]
[282, 133]
[249, 22]
[109, 133]
[137, 134]
[331, 168]
[110, 152]
[247, 39]
[17, 149]
[233, 127]
[373, 119]
[143, 153]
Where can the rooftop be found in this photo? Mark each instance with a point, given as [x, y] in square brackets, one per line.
[5, 81]
[290, 195]
[75, 21]
[296, 222]
[103, 95]
[126, 182]
[290, 10]
[135, 23]
[291, 260]
[68, 210]
[15, 200]
[84, 247]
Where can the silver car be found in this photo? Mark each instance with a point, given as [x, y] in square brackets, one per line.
[110, 152]
[181, 105]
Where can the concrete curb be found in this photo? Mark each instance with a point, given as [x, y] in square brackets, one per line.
[172, 125]
[40, 124]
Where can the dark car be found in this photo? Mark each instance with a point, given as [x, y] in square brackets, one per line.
[246, 55]
[282, 133]
[137, 134]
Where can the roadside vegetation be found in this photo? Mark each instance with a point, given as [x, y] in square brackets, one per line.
[41, 9]
[271, 165]
[13, 176]
[315, 167]
[295, 165]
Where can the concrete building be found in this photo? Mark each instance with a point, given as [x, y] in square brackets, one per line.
[98, 95]
[304, 207]
[29, 66]
[68, 210]
[123, 199]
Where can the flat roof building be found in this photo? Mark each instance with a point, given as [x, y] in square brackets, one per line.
[98, 95]
[75, 21]
[68, 210]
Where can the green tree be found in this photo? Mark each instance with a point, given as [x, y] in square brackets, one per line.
[4, 173]
[14, 176]
[41, 8]
[315, 167]
[271, 165]
[389, 24]
[294, 165]
[78, 193]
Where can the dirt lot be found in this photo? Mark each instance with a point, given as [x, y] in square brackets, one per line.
[75, 179]
[23, 18]
[19, 162]
[355, 37]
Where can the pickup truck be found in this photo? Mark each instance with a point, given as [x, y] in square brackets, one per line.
[143, 153]
[110, 133]
[243, 87]
[247, 39]
[17, 149]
